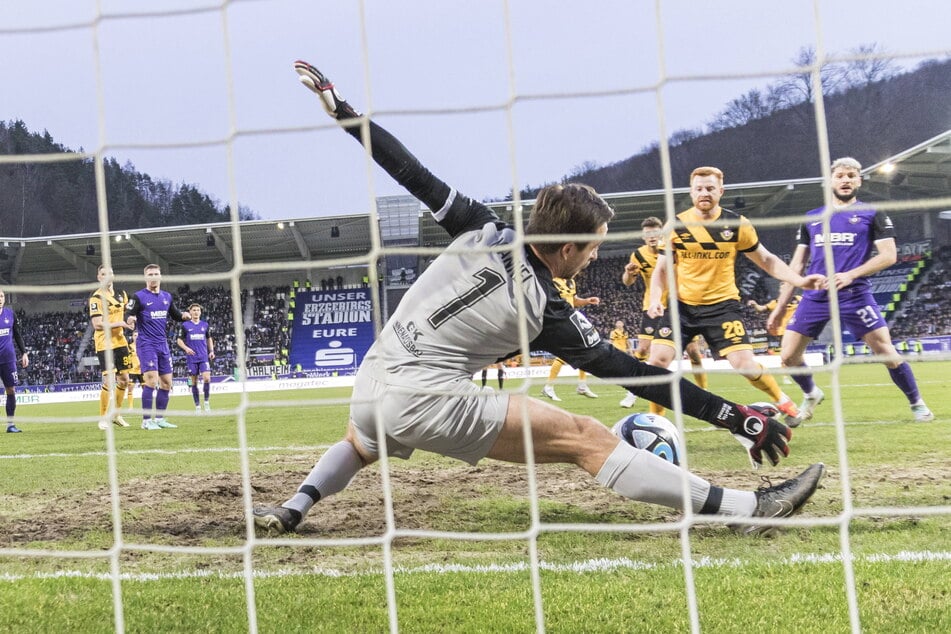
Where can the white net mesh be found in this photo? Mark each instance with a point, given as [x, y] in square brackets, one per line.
[491, 97]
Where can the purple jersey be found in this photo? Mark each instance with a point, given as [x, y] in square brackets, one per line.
[196, 337]
[151, 311]
[8, 337]
[853, 231]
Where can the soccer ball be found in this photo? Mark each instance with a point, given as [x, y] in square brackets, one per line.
[652, 433]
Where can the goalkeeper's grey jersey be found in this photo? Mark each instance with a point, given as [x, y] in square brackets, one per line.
[463, 312]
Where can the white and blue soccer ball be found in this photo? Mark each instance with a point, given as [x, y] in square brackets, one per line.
[652, 433]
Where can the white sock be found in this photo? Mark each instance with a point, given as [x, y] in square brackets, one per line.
[330, 475]
[642, 476]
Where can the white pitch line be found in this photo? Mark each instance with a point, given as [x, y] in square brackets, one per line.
[590, 565]
[100, 454]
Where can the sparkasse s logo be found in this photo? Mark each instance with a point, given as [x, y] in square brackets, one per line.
[334, 355]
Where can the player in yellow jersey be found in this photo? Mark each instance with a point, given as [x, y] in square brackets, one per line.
[705, 241]
[642, 263]
[620, 337]
[135, 372]
[780, 327]
[107, 315]
[569, 292]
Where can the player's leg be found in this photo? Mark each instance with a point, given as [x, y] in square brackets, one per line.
[806, 323]
[332, 473]
[163, 390]
[206, 389]
[880, 343]
[792, 351]
[696, 363]
[549, 390]
[662, 353]
[134, 379]
[583, 388]
[485, 376]
[500, 369]
[338, 465]
[8, 375]
[193, 382]
[150, 379]
[743, 361]
[104, 387]
[122, 386]
[643, 350]
[560, 436]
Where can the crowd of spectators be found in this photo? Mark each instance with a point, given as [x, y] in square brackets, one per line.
[59, 341]
[929, 312]
[54, 338]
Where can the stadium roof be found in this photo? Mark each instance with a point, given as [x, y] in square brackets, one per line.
[921, 173]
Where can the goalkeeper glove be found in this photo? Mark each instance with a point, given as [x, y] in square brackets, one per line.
[759, 434]
[333, 103]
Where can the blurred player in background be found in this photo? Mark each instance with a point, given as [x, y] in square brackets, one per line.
[569, 292]
[148, 312]
[465, 312]
[621, 339]
[777, 330]
[856, 230]
[10, 337]
[499, 374]
[641, 265]
[199, 347]
[135, 371]
[706, 240]
[106, 312]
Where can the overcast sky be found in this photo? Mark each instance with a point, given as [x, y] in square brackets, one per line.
[485, 92]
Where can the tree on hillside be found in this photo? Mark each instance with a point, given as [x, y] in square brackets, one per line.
[40, 199]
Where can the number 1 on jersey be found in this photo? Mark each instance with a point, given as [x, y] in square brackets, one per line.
[489, 280]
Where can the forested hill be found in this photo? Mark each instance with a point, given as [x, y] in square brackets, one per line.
[43, 199]
[872, 113]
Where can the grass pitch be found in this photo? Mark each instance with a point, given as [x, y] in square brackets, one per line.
[605, 564]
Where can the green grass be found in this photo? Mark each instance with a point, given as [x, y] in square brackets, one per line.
[183, 488]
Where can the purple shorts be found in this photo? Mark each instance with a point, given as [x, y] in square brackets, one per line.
[153, 359]
[858, 309]
[8, 375]
[196, 365]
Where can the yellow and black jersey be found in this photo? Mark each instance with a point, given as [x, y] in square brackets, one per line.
[645, 257]
[706, 255]
[111, 308]
[134, 366]
[566, 288]
[790, 309]
[620, 339]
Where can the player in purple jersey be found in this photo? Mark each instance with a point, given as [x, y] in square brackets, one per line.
[195, 339]
[10, 337]
[855, 229]
[148, 311]
[466, 311]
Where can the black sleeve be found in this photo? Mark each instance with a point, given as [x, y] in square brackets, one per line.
[133, 307]
[568, 334]
[802, 236]
[453, 211]
[882, 227]
[17, 337]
